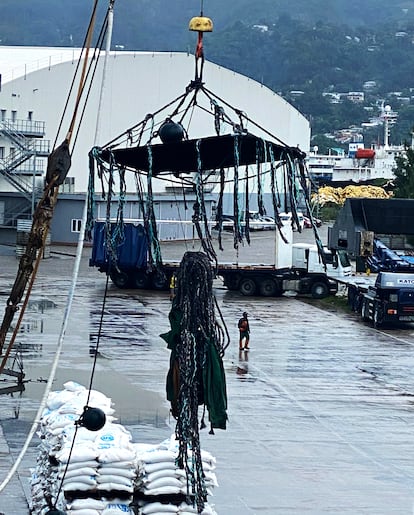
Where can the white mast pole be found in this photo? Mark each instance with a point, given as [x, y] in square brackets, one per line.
[110, 22]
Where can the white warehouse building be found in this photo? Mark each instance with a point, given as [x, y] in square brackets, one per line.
[34, 88]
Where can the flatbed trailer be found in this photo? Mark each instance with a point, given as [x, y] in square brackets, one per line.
[250, 280]
[270, 281]
[297, 267]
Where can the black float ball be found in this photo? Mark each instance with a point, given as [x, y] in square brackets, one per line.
[171, 132]
[92, 419]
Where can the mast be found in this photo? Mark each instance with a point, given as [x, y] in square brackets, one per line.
[58, 166]
[110, 23]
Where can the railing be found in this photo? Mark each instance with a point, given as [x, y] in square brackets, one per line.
[40, 64]
[17, 138]
[33, 128]
[24, 150]
[23, 134]
[34, 167]
[23, 142]
[16, 182]
[8, 169]
[22, 209]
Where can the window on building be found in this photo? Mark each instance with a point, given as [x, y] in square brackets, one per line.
[76, 224]
[2, 152]
[12, 151]
[14, 116]
[30, 116]
[3, 113]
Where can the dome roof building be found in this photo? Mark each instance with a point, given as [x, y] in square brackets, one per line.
[35, 85]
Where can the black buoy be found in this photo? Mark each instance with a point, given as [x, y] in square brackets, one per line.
[171, 132]
[92, 419]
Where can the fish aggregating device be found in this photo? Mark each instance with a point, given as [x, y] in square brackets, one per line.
[162, 146]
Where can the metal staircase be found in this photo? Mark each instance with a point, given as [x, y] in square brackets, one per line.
[24, 149]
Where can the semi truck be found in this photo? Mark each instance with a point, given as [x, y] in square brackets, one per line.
[295, 267]
[388, 298]
[301, 271]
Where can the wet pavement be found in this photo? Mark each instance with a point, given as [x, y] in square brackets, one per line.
[321, 411]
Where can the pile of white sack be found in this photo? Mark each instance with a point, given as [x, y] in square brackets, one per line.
[101, 473]
[162, 486]
[105, 473]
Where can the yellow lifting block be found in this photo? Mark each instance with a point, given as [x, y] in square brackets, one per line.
[201, 24]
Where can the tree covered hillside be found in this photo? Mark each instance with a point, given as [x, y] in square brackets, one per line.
[311, 46]
[288, 54]
[162, 24]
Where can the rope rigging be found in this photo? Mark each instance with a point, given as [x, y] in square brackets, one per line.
[59, 163]
[197, 340]
[196, 375]
[154, 160]
[58, 166]
[161, 147]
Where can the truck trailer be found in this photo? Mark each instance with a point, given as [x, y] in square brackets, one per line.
[302, 271]
[295, 267]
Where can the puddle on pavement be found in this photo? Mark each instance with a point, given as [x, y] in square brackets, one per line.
[132, 404]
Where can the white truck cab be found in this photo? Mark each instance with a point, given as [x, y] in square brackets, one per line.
[306, 255]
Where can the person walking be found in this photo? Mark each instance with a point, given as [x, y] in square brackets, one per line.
[244, 330]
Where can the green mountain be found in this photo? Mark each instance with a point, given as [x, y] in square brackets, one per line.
[162, 24]
[313, 46]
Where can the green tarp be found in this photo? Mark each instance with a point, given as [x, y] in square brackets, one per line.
[210, 376]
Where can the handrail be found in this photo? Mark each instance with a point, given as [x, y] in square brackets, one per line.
[25, 149]
[6, 170]
[23, 126]
[40, 64]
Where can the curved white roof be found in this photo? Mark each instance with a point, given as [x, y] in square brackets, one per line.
[18, 61]
[37, 80]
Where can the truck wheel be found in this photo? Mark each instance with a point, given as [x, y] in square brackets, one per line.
[119, 278]
[141, 280]
[319, 290]
[365, 310]
[159, 281]
[351, 297]
[378, 316]
[357, 303]
[268, 288]
[247, 287]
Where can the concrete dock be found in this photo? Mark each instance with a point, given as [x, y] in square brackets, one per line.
[321, 413]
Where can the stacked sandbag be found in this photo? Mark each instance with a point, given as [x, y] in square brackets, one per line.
[91, 506]
[162, 486]
[94, 476]
[159, 508]
[103, 472]
[116, 471]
